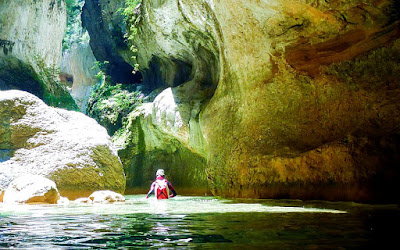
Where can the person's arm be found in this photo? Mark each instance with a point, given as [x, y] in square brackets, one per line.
[171, 188]
[151, 190]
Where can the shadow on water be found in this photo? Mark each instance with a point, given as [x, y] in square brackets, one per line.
[200, 222]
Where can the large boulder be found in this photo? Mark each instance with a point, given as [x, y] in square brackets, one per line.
[291, 98]
[31, 189]
[67, 147]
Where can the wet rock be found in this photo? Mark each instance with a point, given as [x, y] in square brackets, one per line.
[31, 189]
[67, 147]
[83, 200]
[106, 196]
[157, 137]
[63, 201]
[282, 98]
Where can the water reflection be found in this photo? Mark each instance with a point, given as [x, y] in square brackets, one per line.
[197, 222]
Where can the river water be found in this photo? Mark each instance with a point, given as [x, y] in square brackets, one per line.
[200, 223]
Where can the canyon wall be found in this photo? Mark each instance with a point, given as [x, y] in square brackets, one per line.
[30, 49]
[79, 63]
[105, 23]
[294, 99]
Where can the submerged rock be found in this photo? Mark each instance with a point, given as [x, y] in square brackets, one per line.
[63, 201]
[67, 147]
[106, 196]
[85, 200]
[31, 189]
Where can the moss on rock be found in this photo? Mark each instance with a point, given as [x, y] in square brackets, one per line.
[67, 147]
[144, 148]
[111, 104]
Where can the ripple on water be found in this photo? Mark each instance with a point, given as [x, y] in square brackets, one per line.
[185, 222]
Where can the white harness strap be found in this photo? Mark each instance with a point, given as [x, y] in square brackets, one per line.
[162, 187]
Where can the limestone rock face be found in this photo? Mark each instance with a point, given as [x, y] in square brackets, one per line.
[65, 146]
[31, 189]
[104, 22]
[292, 99]
[31, 34]
[79, 62]
[106, 196]
[156, 137]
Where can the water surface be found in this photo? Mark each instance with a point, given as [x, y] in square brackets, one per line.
[200, 222]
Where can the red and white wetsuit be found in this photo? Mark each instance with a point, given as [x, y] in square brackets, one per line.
[162, 188]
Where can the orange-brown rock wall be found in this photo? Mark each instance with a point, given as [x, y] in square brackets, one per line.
[306, 104]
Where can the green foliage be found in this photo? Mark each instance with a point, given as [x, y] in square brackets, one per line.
[102, 68]
[74, 32]
[110, 104]
[132, 18]
[54, 92]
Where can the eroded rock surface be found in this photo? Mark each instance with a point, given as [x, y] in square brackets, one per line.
[292, 99]
[157, 137]
[31, 34]
[65, 146]
[79, 63]
[104, 21]
[31, 189]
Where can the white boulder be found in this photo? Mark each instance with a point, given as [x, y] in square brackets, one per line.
[31, 189]
[106, 196]
[67, 147]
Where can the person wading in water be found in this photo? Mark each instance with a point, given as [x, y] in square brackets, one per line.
[161, 187]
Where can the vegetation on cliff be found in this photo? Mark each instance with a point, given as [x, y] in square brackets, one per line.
[110, 104]
[74, 32]
[132, 18]
[54, 93]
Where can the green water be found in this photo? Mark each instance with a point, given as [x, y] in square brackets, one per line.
[201, 223]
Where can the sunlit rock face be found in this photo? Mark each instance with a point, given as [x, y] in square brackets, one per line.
[31, 34]
[79, 63]
[31, 189]
[293, 99]
[157, 137]
[65, 146]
